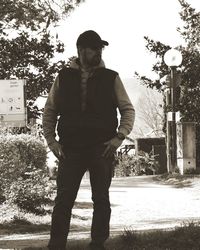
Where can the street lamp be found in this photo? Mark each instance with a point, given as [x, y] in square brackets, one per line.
[172, 58]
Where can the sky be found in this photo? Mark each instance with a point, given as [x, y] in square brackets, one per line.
[124, 24]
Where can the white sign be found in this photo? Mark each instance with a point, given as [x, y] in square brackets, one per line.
[12, 103]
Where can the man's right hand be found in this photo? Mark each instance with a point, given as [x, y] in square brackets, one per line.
[56, 148]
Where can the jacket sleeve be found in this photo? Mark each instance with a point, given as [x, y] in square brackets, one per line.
[126, 109]
[51, 113]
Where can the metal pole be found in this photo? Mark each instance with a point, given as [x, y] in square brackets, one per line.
[168, 130]
[173, 122]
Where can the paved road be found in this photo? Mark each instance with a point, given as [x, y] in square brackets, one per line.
[138, 203]
[141, 203]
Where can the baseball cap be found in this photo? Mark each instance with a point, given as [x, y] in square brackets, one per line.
[90, 39]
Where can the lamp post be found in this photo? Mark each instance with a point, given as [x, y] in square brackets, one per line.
[172, 59]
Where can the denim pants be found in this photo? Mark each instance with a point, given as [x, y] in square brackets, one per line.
[70, 172]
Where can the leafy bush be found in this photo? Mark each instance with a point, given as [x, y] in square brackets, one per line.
[129, 165]
[124, 165]
[32, 193]
[23, 172]
[146, 164]
[17, 152]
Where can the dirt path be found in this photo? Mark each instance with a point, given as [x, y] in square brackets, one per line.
[138, 203]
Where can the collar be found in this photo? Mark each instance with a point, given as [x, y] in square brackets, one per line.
[75, 64]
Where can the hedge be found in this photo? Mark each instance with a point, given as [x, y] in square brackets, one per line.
[23, 171]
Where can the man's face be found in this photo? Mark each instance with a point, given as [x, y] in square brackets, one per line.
[90, 56]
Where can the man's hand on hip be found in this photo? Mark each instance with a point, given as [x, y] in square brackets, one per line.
[112, 146]
[56, 148]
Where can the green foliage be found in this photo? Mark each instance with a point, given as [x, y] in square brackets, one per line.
[23, 172]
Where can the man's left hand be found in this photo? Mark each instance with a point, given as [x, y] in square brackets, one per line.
[112, 146]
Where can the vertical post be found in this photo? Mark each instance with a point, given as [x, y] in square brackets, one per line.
[168, 128]
[172, 59]
[173, 122]
[169, 142]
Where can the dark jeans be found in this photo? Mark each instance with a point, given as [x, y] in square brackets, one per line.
[70, 173]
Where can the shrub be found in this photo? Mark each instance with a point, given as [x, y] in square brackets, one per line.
[124, 165]
[32, 193]
[21, 151]
[129, 165]
[146, 163]
[23, 172]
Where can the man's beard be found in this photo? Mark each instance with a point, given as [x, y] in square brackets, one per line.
[95, 61]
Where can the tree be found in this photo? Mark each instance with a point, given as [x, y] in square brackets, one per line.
[150, 112]
[28, 46]
[189, 92]
[31, 14]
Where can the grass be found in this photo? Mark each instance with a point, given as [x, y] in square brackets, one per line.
[181, 238]
[185, 237]
[14, 221]
[22, 225]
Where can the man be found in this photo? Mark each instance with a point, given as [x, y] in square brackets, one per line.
[85, 96]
